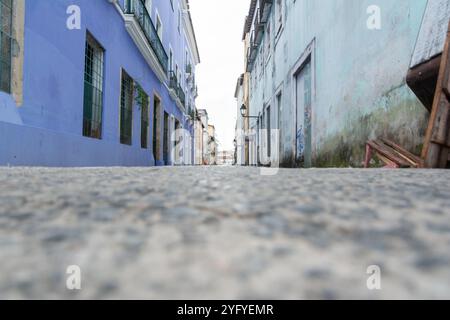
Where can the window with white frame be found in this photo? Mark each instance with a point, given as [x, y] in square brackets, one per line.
[279, 10]
[93, 89]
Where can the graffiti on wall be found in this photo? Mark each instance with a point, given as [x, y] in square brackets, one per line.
[300, 143]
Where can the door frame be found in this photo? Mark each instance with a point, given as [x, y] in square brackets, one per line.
[156, 128]
[166, 138]
[308, 55]
[278, 105]
[176, 143]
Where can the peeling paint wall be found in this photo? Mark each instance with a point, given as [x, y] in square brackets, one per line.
[358, 91]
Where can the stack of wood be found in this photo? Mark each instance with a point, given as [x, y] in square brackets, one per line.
[392, 155]
[436, 150]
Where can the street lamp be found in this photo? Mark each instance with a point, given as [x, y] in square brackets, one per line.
[244, 112]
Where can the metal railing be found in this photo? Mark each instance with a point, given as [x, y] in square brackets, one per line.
[138, 9]
[259, 28]
[195, 93]
[181, 95]
[189, 69]
[252, 52]
[265, 6]
[173, 80]
[174, 85]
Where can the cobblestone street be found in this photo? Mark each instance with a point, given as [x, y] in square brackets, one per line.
[224, 233]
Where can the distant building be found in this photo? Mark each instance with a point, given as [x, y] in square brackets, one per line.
[205, 140]
[212, 146]
[323, 79]
[97, 83]
[241, 140]
[204, 121]
[225, 158]
[199, 130]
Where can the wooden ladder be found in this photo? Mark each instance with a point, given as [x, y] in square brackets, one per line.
[436, 148]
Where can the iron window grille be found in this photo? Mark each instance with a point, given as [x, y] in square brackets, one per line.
[144, 119]
[93, 89]
[126, 109]
[6, 41]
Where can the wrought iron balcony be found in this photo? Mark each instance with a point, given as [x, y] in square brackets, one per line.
[175, 86]
[195, 93]
[173, 80]
[193, 85]
[249, 62]
[251, 52]
[259, 28]
[138, 9]
[265, 6]
[181, 95]
[189, 69]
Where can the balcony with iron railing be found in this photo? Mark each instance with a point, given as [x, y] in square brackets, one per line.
[248, 61]
[139, 11]
[176, 88]
[260, 19]
[173, 80]
[265, 7]
[189, 69]
[252, 52]
[259, 28]
[195, 92]
[181, 95]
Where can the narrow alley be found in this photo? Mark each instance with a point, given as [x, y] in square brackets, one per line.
[224, 150]
[224, 233]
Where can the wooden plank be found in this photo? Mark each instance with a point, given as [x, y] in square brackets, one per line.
[447, 93]
[446, 77]
[389, 153]
[408, 156]
[431, 39]
[440, 125]
[432, 151]
[389, 163]
[444, 129]
[422, 81]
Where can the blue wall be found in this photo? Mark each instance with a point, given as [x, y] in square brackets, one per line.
[47, 128]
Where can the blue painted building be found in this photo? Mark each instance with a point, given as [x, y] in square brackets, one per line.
[97, 83]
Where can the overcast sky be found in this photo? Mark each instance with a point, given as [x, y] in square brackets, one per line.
[218, 26]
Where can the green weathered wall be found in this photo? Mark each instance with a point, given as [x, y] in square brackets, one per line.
[398, 116]
[359, 77]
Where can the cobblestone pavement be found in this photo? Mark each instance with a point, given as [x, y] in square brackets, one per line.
[224, 233]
